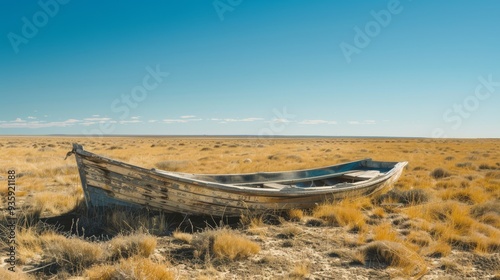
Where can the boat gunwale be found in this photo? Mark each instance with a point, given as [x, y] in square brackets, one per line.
[286, 191]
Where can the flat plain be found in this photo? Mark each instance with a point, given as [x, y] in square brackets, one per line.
[440, 221]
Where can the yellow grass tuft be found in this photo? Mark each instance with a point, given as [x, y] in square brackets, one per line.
[232, 245]
[29, 244]
[385, 232]
[296, 215]
[182, 236]
[17, 275]
[393, 254]
[224, 244]
[131, 245]
[437, 249]
[56, 203]
[136, 268]
[420, 238]
[472, 195]
[300, 270]
[379, 212]
[345, 213]
[290, 231]
[72, 253]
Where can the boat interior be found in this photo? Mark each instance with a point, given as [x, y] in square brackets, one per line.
[352, 172]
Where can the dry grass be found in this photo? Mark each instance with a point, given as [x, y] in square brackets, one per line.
[385, 232]
[17, 275]
[290, 231]
[136, 268]
[172, 165]
[224, 244]
[393, 254]
[300, 270]
[140, 244]
[296, 215]
[182, 236]
[344, 213]
[72, 254]
[232, 245]
[125, 221]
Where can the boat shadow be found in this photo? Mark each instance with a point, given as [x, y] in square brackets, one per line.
[103, 223]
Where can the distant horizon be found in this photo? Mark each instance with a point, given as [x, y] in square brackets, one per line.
[365, 68]
[241, 136]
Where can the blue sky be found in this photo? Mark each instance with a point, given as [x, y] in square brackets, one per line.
[334, 68]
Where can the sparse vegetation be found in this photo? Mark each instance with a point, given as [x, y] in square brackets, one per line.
[440, 173]
[392, 254]
[134, 268]
[124, 246]
[443, 213]
[171, 165]
[224, 244]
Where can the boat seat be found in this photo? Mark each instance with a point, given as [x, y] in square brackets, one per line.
[274, 186]
[285, 182]
[362, 175]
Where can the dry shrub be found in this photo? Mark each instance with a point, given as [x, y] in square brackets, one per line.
[133, 268]
[29, 244]
[295, 158]
[17, 275]
[289, 232]
[483, 209]
[385, 232]
[231, 245]
[300, 270]
[393, 254]
[314, 222]
[340, 215]
[467, 165]
[440, 173]
[56, 203]
[136, 244]
[488, 213]
[420, 238]
[224, 244]
[451, 183]
[252, 219]
[408, 197]
[172, 165]
[490, 218]
[72, 254]
[451, 222]
[437, 249]
[296, 215]
[471, 195]
[378, 212]
[485, 166]
[483, 244]
[182, 236]
[347, 212]
[493, 175]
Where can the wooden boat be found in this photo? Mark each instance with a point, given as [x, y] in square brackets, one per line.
[107, 182]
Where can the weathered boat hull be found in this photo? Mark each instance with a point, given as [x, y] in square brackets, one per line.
[108, 182]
